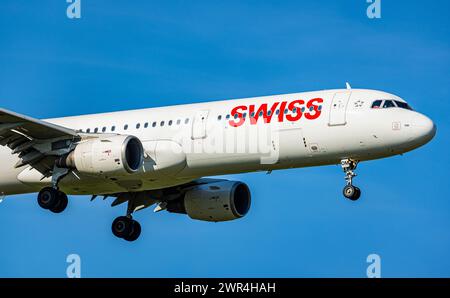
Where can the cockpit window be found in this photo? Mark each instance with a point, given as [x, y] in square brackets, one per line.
[403, 105]
[376, 104]
[388, 104]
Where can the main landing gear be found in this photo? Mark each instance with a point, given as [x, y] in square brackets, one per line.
[126, 227]
[52, 199]
[350, 191]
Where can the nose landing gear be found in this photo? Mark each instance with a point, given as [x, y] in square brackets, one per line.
[350, 191]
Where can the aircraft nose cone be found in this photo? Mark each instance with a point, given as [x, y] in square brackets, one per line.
[424, 128]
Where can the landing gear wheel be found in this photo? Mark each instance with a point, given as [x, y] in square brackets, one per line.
[47, 197]
[135, 231]
[122, 226]
[61, 203]
[351, 192]
[126, 227]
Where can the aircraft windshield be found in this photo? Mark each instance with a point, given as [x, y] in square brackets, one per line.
[389, 103]
[403, 105]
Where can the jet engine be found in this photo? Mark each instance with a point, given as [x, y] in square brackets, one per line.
[216, 201]
[110, 156]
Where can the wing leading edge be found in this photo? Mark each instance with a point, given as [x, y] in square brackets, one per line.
[36, 142]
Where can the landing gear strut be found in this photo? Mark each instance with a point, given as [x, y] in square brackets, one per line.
[125, 226]
[350, 191]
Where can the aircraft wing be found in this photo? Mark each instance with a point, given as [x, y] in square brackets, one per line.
[31, 127]
[36, 142]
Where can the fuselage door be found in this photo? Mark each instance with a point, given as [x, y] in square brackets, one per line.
[338, 108]
[199, 125]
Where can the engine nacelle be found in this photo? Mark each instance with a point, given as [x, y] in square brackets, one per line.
[111, 156]
[217, 201]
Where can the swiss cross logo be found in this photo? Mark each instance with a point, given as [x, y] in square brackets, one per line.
[291, 111]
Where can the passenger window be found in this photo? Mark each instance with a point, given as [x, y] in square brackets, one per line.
[88, 130]
[103, 129]
[146, 125]
[154, 124]
[138, 125]
[96, 130]
[162, 123]
[376, 104]
[113, 128]
[186, 121]
[170, 123]
[388, 104]
[178, 122]
[219, 117]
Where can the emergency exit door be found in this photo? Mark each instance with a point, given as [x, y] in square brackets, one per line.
[338, 108]
[199, 125]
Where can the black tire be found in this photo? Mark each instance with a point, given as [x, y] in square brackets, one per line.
[121, 226]
[351, 192]
[61, 203]
[135, 231]
[357, 194]
[47, 197]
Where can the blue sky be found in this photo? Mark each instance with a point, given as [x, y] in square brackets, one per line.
[121, 56]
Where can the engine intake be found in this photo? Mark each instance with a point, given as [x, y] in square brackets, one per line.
[217, 201]
[115, 155]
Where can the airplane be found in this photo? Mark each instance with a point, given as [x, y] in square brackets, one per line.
[164, 156]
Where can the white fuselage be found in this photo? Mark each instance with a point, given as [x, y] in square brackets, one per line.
[185, 142]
